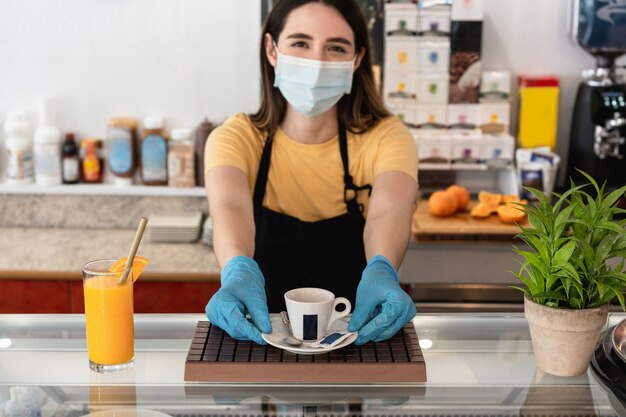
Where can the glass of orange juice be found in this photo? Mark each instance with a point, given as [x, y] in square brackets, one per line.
[109, 316]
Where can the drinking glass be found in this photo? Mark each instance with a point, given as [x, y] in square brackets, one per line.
[109, 316]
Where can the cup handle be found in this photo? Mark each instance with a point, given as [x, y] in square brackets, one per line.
[336, 315]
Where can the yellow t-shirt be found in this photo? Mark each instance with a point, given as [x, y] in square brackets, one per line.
[306, 180]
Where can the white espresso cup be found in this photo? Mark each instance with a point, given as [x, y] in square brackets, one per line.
[312, 311]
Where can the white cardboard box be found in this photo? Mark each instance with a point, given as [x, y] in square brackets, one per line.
[400, 86]
[468, 10]
[405, 111]
[495, 86]
[466, 146]
[433, 88]
[494, 118]
[431, 115]
[400, 17]
[434, 21]
[463, 116]
[401, 54]
[497, 150]
[433, 55]
[433, 146]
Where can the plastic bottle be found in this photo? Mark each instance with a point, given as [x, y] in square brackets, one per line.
[122, 139]
[180, 159]
[47, 147]
[19, 150]
[70, 166]
[28, 397]
[153, 152]
[202, 134]
[91, 163]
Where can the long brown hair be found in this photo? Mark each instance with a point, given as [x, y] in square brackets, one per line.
[360, 110]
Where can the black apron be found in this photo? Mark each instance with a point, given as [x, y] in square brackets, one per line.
[325, 254]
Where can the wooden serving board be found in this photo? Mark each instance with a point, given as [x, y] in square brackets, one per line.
[216, 357]
[460, 224]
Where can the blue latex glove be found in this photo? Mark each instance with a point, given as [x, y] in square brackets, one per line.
[382, 307]
[242, 292]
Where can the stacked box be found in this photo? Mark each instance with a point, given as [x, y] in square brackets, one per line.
[497, 150]
[466, 146]
[495, 86]
[467, 10]
[434, 82]
[431, 116]
[434, 21]
[417, 55]
[401, 57]
[433, 54]
[463, 116]
[494, 117]
[433, 146]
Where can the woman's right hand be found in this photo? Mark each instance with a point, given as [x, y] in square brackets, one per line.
[242, 292]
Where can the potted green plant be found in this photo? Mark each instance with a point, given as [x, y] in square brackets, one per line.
[568, 283]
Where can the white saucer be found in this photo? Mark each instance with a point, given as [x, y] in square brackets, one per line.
[279, 333]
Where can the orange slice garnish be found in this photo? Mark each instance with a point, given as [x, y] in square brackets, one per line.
[139, 263]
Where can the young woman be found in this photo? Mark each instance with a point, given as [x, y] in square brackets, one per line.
[317, 188]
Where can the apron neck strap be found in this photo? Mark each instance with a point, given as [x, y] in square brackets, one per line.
[264, 169]
[350, 190]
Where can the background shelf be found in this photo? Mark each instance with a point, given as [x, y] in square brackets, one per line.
[102, 189]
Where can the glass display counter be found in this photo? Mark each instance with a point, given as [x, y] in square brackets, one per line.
[476, 364]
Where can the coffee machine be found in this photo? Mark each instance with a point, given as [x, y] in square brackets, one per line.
[597, 139]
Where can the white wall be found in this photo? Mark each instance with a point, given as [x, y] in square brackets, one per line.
[195, 58]
[183, 60]
[534, 37]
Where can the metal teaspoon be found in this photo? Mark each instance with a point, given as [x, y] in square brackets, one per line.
[289, 339]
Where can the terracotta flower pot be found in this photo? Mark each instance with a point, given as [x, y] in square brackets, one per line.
[563, 339]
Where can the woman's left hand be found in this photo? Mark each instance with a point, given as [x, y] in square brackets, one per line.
[382, 307]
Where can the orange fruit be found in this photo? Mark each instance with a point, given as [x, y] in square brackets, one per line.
[510, 198]
[491, 200]
[139, 263]
[442, 203]
[511, 213]
[480, 211]
[461, 194]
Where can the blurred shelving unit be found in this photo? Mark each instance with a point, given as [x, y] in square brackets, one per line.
[475, 177]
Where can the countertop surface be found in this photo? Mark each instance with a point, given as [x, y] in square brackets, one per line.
[476, 364]
[31, 253]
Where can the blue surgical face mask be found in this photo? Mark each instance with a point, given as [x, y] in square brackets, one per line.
[311, 86]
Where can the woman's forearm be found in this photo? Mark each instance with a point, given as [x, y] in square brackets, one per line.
[388, 234]
[231, 236]
[230, 207]
[388, 226]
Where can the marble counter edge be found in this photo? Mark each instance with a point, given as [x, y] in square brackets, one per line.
[38, 253]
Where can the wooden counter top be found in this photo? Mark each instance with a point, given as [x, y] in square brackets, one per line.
[461, 226]
[29, 253]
